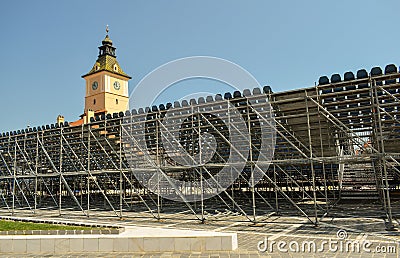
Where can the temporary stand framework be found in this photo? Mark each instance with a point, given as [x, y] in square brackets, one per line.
[335, 141]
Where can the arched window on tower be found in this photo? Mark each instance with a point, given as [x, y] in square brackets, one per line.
[94, 101]
[116, 101]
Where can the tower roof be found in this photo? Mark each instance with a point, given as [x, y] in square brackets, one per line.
[107, 60]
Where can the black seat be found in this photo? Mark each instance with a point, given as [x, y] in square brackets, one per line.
[376, 71]
[335, 78]
[326, 91]
[185, 103]
[237, 94]
[351, 87]
[328, 100]
[338, 89]
[323, 80]
[227, 95]
[267, 89]
[390, 69]
[246, 93]
[348, 76]
[218, 97]
[256, 91]
[362, 74]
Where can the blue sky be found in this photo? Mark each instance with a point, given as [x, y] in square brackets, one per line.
[47, 45]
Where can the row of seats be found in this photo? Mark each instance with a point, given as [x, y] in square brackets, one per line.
[201, 100]
[108, 116]
[177, 104]
[361, 74]
[184, 103]
[35, 129]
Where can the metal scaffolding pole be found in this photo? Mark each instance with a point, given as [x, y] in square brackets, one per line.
[381, 148]
[311, 161]
[120, 172]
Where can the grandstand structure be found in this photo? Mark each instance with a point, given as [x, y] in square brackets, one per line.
[334, 142]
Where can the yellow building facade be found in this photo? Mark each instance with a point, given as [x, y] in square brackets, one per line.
[106, 84]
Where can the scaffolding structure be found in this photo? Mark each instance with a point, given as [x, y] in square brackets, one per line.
[338, 140]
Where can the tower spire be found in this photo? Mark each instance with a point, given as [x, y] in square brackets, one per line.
[106, 60]
[107, 46]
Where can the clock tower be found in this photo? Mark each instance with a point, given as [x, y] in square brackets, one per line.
[106, 84]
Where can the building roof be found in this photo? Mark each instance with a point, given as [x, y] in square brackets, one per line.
[107, 61]
[76, 123]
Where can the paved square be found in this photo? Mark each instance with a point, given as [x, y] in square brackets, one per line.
[347, 231]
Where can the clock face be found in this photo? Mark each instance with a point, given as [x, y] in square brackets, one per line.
[117, 86]
[95, 85]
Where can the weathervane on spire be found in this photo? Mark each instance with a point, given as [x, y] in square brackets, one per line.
[107, 30]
